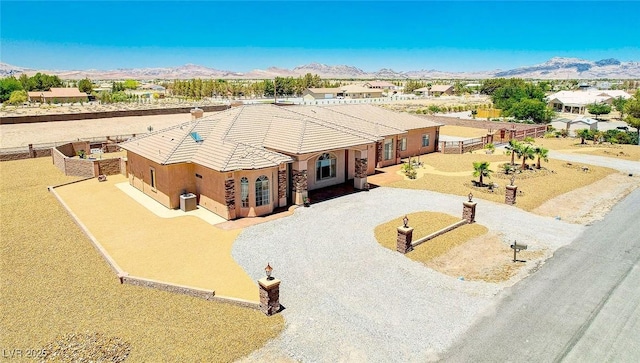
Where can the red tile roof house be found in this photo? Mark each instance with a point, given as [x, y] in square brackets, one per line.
[61, 95]
[248, 160]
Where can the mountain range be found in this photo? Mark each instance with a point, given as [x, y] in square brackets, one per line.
[554, 68]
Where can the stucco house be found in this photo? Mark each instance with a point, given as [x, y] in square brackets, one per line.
[248, 160]
[384, 85]
[61, 95]
[577, 101]
[347, 91]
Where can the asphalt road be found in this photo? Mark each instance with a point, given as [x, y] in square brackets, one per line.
[583, 305]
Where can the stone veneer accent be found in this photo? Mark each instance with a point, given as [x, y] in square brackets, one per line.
[300, 180]
[269, 296]
[469, 211]
[361, 168]
[403, 242]
[282, 183]
[230, 193]
[379, 152]
[510, 194]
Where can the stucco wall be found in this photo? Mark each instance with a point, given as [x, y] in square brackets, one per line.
[252, 176]
[171, 180]
[312, 183]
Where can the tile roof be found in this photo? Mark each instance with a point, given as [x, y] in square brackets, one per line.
[58, 92]
[259, 136]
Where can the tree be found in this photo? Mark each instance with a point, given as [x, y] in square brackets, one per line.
[584, 134]
[526, 152]
[632, 108]
[7, 86]
[513, 149]
[619, 104]
[18, 97]
[130, 84]
[598, 109]
[542, 153]
[481, 169]
[530, 109]
[85, 85]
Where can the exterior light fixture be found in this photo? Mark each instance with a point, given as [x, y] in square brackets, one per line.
[405, 220]
[268, 270]
[470, 197]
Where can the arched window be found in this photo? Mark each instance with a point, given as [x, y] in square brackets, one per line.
[244, 192]
[262, 191]
[326, 166]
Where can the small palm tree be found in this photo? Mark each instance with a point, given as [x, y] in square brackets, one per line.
[481, 169]
[526, 152]
[512, 149]
[507, 168]
[542, 153]
[528, 140]
[584, 134]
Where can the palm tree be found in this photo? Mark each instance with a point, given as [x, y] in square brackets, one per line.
[481, 169]
[507, 168]
[526, 152]
[584, 134]
[542, 153]
[512, 149]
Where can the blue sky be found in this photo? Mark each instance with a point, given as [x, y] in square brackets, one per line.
[243, 35]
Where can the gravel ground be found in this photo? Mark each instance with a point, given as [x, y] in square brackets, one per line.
[625, 166]
[347, 298]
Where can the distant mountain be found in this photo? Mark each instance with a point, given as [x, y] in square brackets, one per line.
[554, 68]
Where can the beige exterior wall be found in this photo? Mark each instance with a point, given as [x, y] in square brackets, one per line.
[414, 142]
[252, 175]
[171, 180]
[314, 183]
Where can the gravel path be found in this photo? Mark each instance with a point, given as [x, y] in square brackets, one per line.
[346, 298]
[625, 166]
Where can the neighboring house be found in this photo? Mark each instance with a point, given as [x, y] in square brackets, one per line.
[248, 160]
[152, 87]
[577, 101]
[348, 91]
[61, 95]
[435, 90]
[441, 89]
[572, 126]
[384, 85]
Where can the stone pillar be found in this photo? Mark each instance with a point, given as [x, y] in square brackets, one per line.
[378, 154]
[469, 211]
[299, 176]
[269, 295]
[282, 186]
[230, 197]
[403, 242]
[510, 195]
[361, 164]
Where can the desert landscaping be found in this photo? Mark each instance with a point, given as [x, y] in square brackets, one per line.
[138, 318]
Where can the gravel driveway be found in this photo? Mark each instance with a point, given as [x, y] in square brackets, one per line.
[346, 298]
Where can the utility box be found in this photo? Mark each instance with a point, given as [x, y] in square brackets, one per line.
[188, 202]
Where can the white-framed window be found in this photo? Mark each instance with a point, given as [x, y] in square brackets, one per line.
[425, 140]
[388, 149]
[262, 191]
[152, 180]
[244, 192]
[326, 166]
[403, 144]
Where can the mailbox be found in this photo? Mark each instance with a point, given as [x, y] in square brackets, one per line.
[516, 246]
